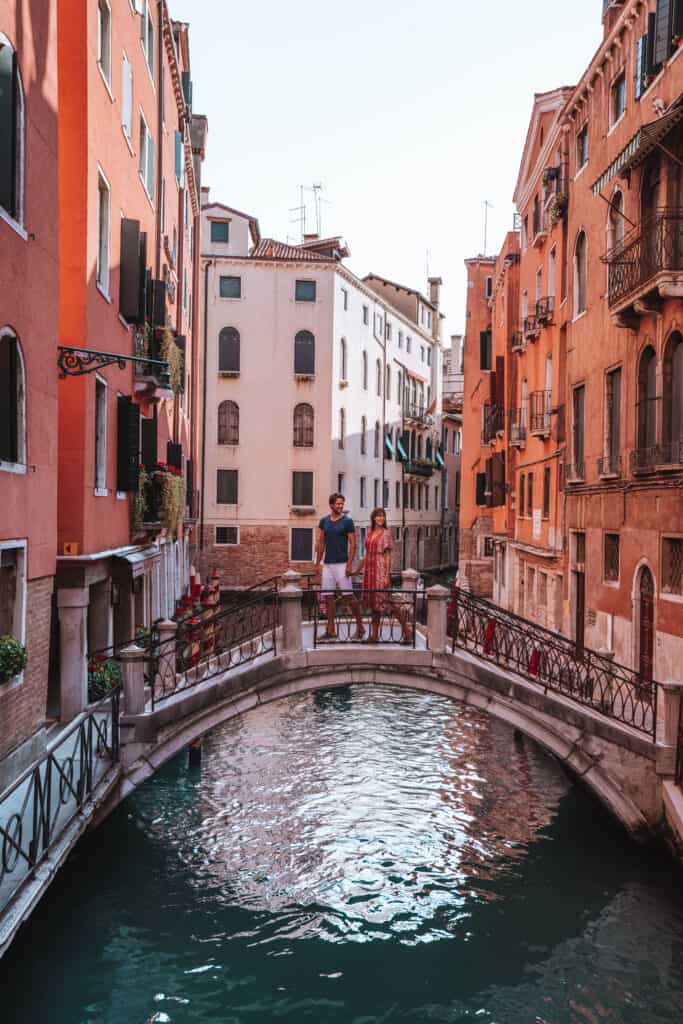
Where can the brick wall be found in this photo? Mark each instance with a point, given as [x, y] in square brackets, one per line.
[22, 707]
[263, 551]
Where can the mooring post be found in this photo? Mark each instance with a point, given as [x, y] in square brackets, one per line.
[437, 618]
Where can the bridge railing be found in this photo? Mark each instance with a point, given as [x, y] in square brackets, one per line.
[554, 661]
[375, 616]
[188, 654]
[38, 808]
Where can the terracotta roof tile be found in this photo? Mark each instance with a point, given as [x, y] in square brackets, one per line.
[271, 249]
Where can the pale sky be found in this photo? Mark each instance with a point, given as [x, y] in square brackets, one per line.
[409, 114]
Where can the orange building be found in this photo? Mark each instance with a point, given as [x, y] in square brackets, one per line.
[128, 223]
[28, 376]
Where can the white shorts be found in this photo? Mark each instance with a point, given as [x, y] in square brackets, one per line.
[334, 575]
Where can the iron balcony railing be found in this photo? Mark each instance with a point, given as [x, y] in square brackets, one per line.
[655, 245]
[545, 309]
[575, 471]
[539, 412]
[656, 456]
[539, 222]
[419, 467]
[553, 661]
[517, 426]
[414, 411]
[493, 421]
[531, 327]
[375, 616]
[609, 465]
[517, 342]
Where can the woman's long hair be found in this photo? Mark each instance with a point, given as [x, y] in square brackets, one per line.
[378, 512]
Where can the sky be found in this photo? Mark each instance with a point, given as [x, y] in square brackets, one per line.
[410, 116]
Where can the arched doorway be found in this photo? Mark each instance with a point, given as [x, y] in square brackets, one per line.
[646, 624]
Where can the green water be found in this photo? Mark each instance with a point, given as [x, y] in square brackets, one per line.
[358, 856]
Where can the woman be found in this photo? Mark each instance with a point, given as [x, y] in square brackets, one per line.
[376, 569]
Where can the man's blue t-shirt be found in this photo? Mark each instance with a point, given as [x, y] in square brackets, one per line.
[336, 538]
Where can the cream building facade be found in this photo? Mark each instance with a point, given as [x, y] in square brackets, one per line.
[315, 381]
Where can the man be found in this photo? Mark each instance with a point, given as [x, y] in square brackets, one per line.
[335, 549]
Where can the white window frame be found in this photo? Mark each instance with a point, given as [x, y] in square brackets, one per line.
[146, 145]
[21, 465]
[226, 544]
[148, 23]
[103, 233]
[104, 41]
[19, 617]
[100, 475]
[127, 98]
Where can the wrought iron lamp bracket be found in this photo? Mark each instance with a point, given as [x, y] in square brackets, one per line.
[74, 362]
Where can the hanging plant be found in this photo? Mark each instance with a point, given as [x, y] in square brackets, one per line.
[172, 500]
[143, 339]
[141, 498]
[557, 208]
[13, 657]
[171, 354]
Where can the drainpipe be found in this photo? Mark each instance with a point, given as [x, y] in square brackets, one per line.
[209, 263]
[160, 146]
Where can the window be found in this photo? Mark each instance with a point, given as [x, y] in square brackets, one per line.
[302, 489]
[481, 489]
[409, 343]
[342, 429]
[647, 399]
[345, 298]
[488, 287]
[617, 98]
[612, 420]
[229, 350]
[582, 147]
[427, 497]
[302, 544]
[672, 565]
[611, 558]
[342, 361]
[578, 404]
[103, 232]
[304, 291]
[228, 423]
[303, 425]
[230, 287]
[12, 413]
[484, 350]
[366, 315]
[378, 376]
[378, 430]
[673, 397]
[400, 339]
[364, 358]
[641, 66]
[13, 590]
[422, 353]
[127, 97]
[100, 435]
[220, 231]
[11, 133]
[399, 386]
[304, 354]
[522, 486]
[375, 493]
[104, 39]
[436, 496]
[361, 542]
[387, 389]
[146, 158]
[387, 331]
[363, 429]
[429, 356]
[580, 274]
[363, 498]
[341, 483]
[147, 35]
[227, 486]
[397, 489]
[546, 492]
[229, 535]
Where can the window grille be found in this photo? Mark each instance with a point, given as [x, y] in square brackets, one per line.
[228, 423]
[672, 565]
[611, 570]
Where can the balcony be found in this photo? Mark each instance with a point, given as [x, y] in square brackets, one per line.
[657, 457]
[518, 342]
[648, 263]
[416, 412]
[539, 228]
[153, 379]
[575, 471]
[517, 427]
[545, 309]
[609, 465]
[419, 467]
[493, 421]
[539, 413]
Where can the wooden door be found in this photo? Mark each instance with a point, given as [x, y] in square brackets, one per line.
[646, 626]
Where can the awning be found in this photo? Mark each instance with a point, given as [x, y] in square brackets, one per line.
[139, 558]
[401, 450]
[640, 145]
[416, 376]
[439, 460]
[390, 447]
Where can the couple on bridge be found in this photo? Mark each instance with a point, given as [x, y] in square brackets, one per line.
[335, 551]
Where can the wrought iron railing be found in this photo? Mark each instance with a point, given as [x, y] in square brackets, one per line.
[609, 465]
[554, 662]
[204, 647]
[653, 457]
[653, 246]
[414, 411]
[539, 412]
[493, 422]
[517, 341]
[372, 616]
[545, 309]
[575, 471]
[517, 426]
[38, 808]
[420, 467]
[531, 327]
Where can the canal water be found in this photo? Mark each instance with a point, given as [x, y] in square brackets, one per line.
[359, 856]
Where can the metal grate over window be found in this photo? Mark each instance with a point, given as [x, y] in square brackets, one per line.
[611, 569]
[672, 565]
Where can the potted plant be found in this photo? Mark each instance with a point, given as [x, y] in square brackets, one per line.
[13, 656]
[104, 675]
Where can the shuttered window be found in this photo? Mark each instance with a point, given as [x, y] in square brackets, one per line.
[302, 488]
[179, 161]
[228, 423]
[663, 31]
[484, 350]
[302, 544]
[146, 158]
[304, 291]
[9, 399]
[148, 442]
[481, 489]
[227, 486]
[230, 287]
[130, 271]
[11, 129]
[546, 492]
[127, 98]
[127, 444]
[229, 350]
[220, 231]
[304, 353]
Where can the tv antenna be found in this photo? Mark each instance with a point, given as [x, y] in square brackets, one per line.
[487, 206]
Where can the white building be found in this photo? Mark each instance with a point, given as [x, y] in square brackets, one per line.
[315, 381]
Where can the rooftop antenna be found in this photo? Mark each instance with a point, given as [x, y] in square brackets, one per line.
[487, 206]
[427, 263]
[317, 189]
[300, 212]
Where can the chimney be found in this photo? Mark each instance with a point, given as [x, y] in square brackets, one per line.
[435, 299]
[311, 237]
[205, 195]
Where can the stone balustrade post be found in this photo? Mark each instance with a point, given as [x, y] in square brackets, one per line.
[437, 619]
[667, 733]
[291, 578]
[409, 578]
[165, 681]
[132, 660]
[291, 617]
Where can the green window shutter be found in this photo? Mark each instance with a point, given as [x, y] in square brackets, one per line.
[127, 442]
[148, 434]
[481, 489]
[8, 125]
[484, 350]
[174, 455]
[187, 87]
[179, 156]
[130, 271]
[650, 44]
[663, 31]
[9, 413]
[640, 65]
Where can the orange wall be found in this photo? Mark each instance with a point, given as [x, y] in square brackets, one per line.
[476, 387]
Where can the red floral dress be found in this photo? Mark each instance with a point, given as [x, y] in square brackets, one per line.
[375, 575]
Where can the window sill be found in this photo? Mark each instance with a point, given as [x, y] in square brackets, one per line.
[121, 495]
[228, 373]
[302, 510]
[14, 224]
[666, 595]
[612, 584]
[580, 171]
[616, 123]
[18, 468]
[11, 684]
[128, 141]
[231, 298]
[579, 316]
[101, 492]
[144, 189]
[103, 292]
[105, 80]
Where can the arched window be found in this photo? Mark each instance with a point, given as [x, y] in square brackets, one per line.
[615, 223]
[343, 375]
[419, 446]
[387, 390]
[303, 425]
[378, 368]
[580, 274]
[228, 423]
[378, 430]
[304, 353]
[12, 399]
[428, 448]
[229, 350]
[647, 399]
[12, 133]
[363, 430]
[673, 396]
[342, 428]
[365, 370]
